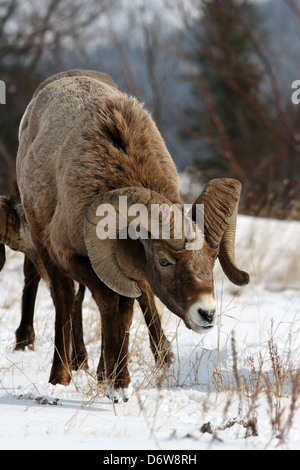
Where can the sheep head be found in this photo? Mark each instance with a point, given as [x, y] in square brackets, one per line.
[180, 274]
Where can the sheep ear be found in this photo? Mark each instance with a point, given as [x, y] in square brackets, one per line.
[2, 256]
[220, 198]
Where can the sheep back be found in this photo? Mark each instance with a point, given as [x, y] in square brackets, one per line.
[81, 138]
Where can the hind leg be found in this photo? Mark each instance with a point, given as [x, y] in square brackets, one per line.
[116, 317]
[79, 353]
[63, 295]
[25, 332]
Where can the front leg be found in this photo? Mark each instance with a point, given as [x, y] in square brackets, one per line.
[160, 346]
[25, 332]
[63, 296]
[116, 317]
[79, 353]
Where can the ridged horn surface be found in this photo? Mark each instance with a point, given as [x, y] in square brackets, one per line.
[102, 252]
[227, 255]
[220, 198]
[9, 224]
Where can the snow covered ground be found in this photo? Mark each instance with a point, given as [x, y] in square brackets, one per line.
[233, 388]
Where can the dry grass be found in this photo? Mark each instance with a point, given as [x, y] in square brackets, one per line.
[245, 384]
[266, 380]
[279, 388]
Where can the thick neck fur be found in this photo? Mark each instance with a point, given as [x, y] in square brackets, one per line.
[125, 149]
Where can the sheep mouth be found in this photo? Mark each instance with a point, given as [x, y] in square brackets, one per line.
[200, 329]
[201, 315]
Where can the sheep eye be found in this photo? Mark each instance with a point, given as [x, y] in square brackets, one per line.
[164, 262]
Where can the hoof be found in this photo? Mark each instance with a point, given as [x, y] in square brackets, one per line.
[60, 377]
[22, 345]
[120, 394]
[24, 338]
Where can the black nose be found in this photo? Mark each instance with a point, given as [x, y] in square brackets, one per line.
[206, 315]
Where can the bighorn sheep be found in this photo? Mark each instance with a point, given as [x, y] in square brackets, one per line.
[83, 144]
[14, 232]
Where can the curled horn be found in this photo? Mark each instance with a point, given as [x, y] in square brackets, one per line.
[220, 198]
[103, 252]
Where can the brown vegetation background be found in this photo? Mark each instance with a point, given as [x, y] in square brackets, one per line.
[214, 74]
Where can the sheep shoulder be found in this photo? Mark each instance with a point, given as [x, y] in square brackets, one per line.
[82, 138]
[124, 148]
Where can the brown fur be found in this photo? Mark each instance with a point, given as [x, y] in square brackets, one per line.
[97, 139]
[9, 224]
[90, 159]
[15, 234]
[25, 332]
[19, 230]
[102, 77]
[52, 226]
[11, 220]
[81, 138]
